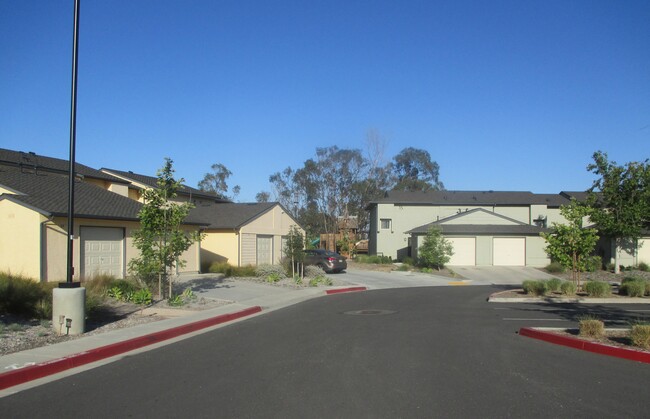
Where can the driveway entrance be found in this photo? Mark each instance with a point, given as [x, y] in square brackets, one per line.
[499, 275]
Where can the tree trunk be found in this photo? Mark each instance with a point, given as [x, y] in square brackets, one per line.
[617, 269]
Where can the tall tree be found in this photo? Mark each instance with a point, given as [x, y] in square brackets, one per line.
[262, 196]
[217, 182]
[415, 171]
[621, 199]
[161, 239]
[569, 243]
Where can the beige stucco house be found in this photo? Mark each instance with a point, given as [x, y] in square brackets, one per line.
[33, 220]
[484, 227]
[237, 233]
[244, 233]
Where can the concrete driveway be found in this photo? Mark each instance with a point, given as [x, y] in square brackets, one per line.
[499, 275]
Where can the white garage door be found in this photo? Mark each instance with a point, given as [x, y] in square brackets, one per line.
[644, 251]
[101, 251]
[464, 251]
[509, 251]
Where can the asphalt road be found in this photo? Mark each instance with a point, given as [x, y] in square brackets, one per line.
[404, 353]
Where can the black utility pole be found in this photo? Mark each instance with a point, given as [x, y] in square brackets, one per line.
[73, 138]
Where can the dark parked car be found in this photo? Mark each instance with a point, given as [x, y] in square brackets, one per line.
[326, 260]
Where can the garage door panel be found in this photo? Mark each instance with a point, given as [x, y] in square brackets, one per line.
[644, 251]
[102, 251]
[464, 251]
[509, 251]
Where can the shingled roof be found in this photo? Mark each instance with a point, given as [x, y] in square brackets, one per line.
[48, 193]
[152, 182]
[471, 198]
[231, 215]
[34, 163]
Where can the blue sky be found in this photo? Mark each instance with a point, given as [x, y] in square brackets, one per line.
[505, 95]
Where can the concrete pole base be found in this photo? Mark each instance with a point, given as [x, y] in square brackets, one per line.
[69, 310]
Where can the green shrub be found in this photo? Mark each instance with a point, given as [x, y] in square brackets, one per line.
[407, 260]
[271, 273]
[555, 268]
[553, 284]
[20, 295]
[123, 289]
[538, 288]
[568, 288]
[643, 267]
[221, 268]
[598, 288]
[143, 297]
[374, 259]
[640, 336]
[627, 279]
[243, 271]
[593, 328]
[635, 288]
[404, 267]
[593, 263]
[610, 266]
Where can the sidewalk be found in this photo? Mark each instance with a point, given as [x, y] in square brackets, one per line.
[39, 365]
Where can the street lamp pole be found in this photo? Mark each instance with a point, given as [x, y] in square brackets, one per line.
[73, 138]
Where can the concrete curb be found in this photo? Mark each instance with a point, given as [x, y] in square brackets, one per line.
[348, 289]
[599, 348]
[33, 372]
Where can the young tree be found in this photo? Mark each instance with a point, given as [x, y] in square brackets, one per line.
[217, 182]
[621, 199]
[161, 239]
[293, 249]
[435, 251]
[570, 244]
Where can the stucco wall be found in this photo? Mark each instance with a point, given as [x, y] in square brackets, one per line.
[20, 240]
[219, 246]
[535, 254]
[55, 254]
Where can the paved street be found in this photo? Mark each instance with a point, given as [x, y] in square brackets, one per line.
[418, 352]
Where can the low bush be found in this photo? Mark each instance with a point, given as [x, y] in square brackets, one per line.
[555, 268]
[229, 270]
[538, 288]
[592, 328]
[404, 267]
[568, 288]
[610, 266]
[640, 336]
[598, 289]
[382, 260]
[635, 288]
[553, 284]
[20, 295]
[312, 271]
[271, 273]
[643, 267]
[407, 260]
[593, 263]
[122, 289]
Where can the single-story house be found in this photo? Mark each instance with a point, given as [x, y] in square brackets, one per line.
[485, 227]
[244, 233]
[237, 233]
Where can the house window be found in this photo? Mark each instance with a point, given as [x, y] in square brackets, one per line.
[385, 223]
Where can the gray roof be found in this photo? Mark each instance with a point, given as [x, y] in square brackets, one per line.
[48, 192]
[32, 162]
[516, 228]
[487, 198]
[231, 215]
[152, 181]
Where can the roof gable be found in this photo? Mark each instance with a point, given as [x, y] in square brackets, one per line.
[232, 215]
[144, 181]
[478, 216]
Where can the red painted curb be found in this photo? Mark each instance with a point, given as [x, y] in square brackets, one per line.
[23, 375]
[341, 290]
[599, 348]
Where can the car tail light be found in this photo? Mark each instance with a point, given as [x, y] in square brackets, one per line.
[331, 259]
